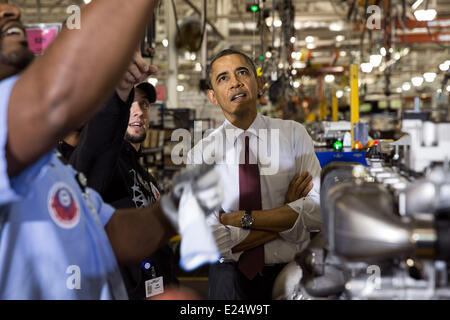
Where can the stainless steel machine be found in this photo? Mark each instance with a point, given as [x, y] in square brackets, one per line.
[386, 226]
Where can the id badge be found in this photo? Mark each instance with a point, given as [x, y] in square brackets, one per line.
[153, 287]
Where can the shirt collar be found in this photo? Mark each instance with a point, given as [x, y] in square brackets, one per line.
[254, 129]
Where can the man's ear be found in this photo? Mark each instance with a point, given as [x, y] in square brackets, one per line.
[212, 96]
[260, 82]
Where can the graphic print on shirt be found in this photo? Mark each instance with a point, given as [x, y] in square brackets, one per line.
[141, 190]
[63, 206]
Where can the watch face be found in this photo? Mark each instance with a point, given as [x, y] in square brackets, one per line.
[247, 221]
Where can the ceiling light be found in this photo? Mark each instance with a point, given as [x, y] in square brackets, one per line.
[292, 39]
[406, 86]
[309, 39]
[268, 54]
[340, 38]
[399, 90]
[366, 67]
[152, 81]
[165, 43]
[310, 46]
[336, 26]
[443, 67]
[416, 4]
[296, 84]
[294, 72]
[298, 65]
[425, 15]
[329, 78]
[417, 81]
[339, 94]
[342, 53]
[375, 60]
[180, 88]
[383, 51]
[277, 23]
[448, 88]
[429, 76]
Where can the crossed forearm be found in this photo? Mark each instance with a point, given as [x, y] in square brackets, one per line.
[273, 220]
[254, 239]
[266, 226]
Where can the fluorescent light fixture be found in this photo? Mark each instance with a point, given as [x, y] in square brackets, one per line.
[366, 67]
[298, 65]
[425, 15]
[417, 81]
[443, 66]
[429, 76]
[277, 23]
[336, 26]
[406, 86]
[152, 81]
[416, 4]
[329, 78]
[375, 60]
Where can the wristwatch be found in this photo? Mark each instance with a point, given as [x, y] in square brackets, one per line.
[247, 220]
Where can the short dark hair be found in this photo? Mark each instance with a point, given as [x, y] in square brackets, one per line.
[224, 53]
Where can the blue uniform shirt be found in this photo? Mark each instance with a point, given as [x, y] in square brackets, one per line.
[52, 239]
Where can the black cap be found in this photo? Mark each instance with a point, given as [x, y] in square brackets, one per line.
[149, 90]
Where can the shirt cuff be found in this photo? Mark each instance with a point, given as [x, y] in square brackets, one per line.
[309, 219]
[226, 237]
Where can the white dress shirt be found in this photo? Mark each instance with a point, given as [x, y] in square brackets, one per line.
[283, 149]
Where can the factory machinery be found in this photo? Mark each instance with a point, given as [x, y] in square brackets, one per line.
[386, 226]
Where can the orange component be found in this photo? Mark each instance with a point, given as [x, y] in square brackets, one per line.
[358, 145]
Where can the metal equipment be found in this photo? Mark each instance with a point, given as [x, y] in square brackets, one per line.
[386, 227]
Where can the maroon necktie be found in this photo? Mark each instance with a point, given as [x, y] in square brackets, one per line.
[251, 261]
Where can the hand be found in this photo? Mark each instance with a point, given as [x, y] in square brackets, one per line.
[137, 72]
[203, 182]
[299, 187]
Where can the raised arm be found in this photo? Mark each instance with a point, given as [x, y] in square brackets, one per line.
[63, 88]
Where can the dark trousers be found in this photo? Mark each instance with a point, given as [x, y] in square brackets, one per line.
[226, 282]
